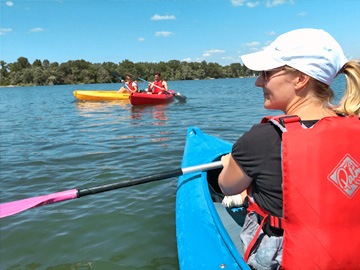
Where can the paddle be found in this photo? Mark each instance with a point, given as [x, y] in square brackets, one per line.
[178, 96]
[11, 208]
[116, 75]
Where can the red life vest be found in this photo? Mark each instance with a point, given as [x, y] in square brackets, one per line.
[156, 90]
[130, 85]
[321, 197]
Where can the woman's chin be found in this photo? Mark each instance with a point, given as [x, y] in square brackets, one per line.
[269, 106]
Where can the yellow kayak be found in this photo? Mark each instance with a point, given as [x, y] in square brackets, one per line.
[100, 95]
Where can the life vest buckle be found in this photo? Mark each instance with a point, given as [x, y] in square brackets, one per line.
[274, 221]
[289, 119]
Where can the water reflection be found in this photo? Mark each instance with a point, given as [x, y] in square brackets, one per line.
[108, 116]
[102, 116]
[100, 106]
[152, 114]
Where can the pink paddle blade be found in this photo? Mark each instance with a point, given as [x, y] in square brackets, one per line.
[11, 208]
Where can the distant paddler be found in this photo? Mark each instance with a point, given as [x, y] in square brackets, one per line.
[129, 85]
[159, 86]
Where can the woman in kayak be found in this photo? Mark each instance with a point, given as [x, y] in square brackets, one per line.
[132, 85]
[158, 86]
[296, 72]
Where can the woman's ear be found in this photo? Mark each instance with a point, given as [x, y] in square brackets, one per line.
[301, 80]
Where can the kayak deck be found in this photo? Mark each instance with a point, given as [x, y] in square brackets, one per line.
[203, 242]
[146, 98]
[100, 95]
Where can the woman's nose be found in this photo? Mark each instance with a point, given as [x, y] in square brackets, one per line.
[259, 82]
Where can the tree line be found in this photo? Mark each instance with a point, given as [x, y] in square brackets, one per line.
[23, 73]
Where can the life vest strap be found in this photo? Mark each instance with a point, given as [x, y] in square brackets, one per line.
[253, 206]
[253, 241]
[285, 122]
[267, 118]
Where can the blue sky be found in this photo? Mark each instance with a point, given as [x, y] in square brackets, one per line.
[153, 31]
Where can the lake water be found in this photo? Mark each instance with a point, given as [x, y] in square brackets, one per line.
[51, 142]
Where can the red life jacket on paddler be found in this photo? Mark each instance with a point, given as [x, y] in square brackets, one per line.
[159, 84]
[321, 197]
[131, 85]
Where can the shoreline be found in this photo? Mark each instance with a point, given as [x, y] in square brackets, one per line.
[8, 86]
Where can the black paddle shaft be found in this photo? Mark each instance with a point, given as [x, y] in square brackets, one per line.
[115, 74]
[129, 182]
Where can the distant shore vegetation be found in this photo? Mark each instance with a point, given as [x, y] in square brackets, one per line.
[23, 73]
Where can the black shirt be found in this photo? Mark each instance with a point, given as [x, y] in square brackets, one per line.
[258, 153]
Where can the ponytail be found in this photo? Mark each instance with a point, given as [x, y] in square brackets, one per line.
[350, 102]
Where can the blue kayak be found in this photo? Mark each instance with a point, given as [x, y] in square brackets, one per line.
[202, 240]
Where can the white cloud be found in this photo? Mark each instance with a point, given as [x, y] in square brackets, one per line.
[214, 51]
[210, 52]
[4, 31]
[141, 39]
[250, 4]
[227, 58]
[163, 34]
[9, 3]
[187, 60]
[273, 3]
[37, 29]
[255, 43]
[253, 4]
[271, 33]
[157, 17]
[302, 14]
[237, 3]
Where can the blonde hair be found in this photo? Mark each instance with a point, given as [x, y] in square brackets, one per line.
[350, 102]
[323, 92]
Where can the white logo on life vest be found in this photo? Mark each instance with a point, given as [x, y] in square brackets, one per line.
[346, 176]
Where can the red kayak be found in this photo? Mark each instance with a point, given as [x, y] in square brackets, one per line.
[145, 98]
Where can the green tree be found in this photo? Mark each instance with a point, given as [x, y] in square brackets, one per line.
[4, 73]
[66, 72]
[54, 65]
[39, 77]
[200, 74]
[27, 76]
[213, 70]
[235, 69]
[40, 72]
[85, 76]
[53, 76]
[22, 63]
[46, 64]
[104, 76]
[37, 63]
[109, 66]
[15, 78]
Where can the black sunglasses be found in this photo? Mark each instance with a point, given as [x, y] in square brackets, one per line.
[266, 74]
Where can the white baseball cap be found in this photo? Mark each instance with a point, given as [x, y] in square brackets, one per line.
[311, 51]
